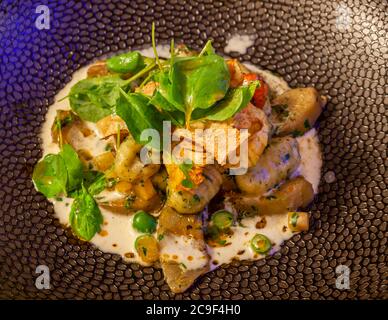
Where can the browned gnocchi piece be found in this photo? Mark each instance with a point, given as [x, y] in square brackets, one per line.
[296, 110]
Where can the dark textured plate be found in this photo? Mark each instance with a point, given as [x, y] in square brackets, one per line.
[341, 50]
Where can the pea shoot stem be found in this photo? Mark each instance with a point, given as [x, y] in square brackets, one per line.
[172, 51]
[60, 138]
[140, 73]
[154, 45]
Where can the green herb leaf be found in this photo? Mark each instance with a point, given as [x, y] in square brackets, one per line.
[74, 167]
[138, 114]
[168, 96]
[85, 216]
[234, 101]
[98, 185]
[175, 116]
[194, 82]
[207, 49]
[126, 62]
[50, 176]
[203, 81]
[95, 98]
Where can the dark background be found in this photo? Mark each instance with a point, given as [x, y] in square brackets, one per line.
[300, 41]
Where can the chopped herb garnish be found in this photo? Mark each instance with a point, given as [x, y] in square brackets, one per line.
[297, 133]
[160, 237]
[281, 110]
[129, 201]
[294, 219]
[240, 223]
[144, 249]
[185, 168]
[307, 124]
[183, 265]
[196, 198]
[187, 183]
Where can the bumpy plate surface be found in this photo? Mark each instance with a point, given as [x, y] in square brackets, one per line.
[341, 50]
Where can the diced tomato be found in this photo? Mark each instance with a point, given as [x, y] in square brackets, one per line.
[261, 93]
[249, 77]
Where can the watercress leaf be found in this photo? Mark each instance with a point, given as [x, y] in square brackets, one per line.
[138, 114]
[206, 80]
[201, 81]
[172, 94]
[159, 101]
[50, 176]
[234, 101]
[168, 110]
[74, 167]
[85, 216]
[126, 62]
[90, 176]
[194, 82]
[176, 117]
[95, 98]
[97, 185]
[207, 49]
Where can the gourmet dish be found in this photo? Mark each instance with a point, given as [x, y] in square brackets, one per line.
[179, 204]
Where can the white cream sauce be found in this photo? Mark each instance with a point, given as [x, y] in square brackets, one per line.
[117, 234]
[239, 43]
[311, 158]
[183, 250]
[238, 245]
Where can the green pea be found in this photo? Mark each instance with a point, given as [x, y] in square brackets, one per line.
[144, 222]
[126, 62]
[260, 243]
[222, 219]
